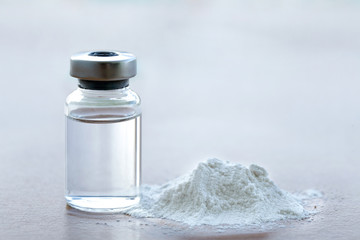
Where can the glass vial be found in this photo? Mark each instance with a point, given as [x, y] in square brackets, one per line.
[103, 133]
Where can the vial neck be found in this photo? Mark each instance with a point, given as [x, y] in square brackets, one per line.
[111, 93]
[103, 85]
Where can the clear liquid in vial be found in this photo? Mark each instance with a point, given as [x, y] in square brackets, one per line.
[102, 163]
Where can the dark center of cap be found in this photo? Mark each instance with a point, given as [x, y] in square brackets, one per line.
[103, 54]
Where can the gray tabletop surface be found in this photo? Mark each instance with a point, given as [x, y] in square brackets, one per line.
[274, 83]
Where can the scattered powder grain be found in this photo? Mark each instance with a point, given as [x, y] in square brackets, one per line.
[219, 193]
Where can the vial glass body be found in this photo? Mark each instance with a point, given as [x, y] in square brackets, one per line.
[103, 147]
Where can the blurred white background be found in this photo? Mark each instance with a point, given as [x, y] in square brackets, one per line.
[270, 82]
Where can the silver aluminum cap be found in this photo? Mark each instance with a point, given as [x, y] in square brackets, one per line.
[103, 65]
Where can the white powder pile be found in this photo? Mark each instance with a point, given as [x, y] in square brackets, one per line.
[218, 192]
